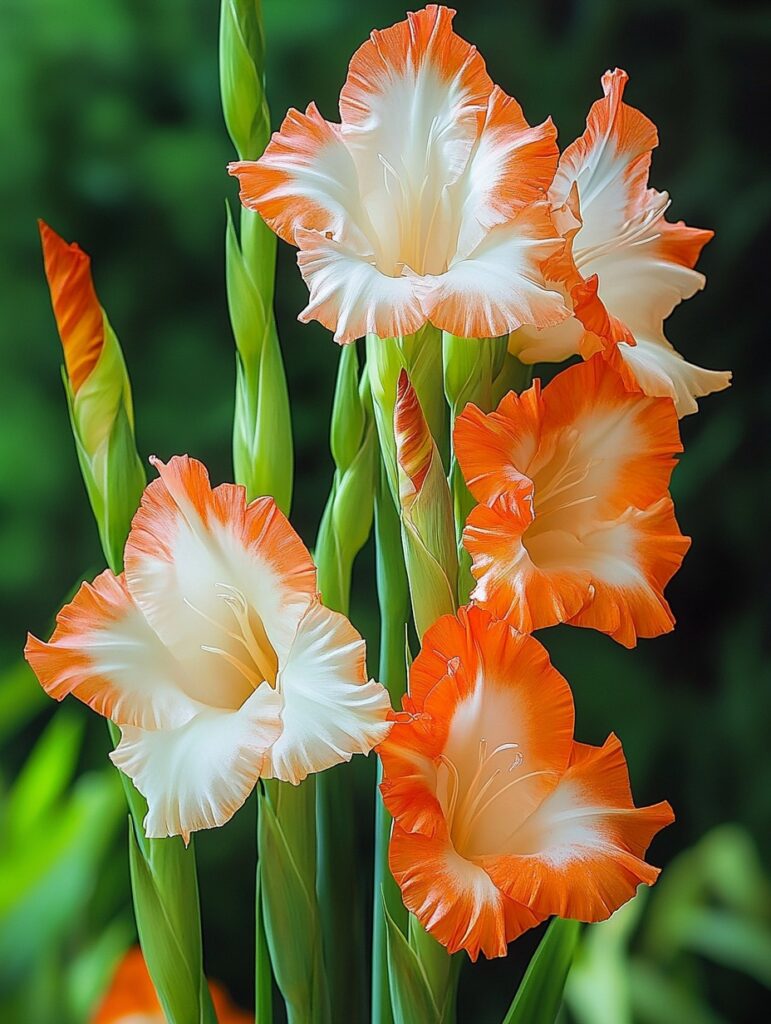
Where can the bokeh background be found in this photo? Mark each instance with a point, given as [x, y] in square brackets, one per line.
[111, 130]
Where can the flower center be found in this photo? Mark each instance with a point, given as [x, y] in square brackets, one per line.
[558, 488]
[482, 790]
[468, 815]
[253, 655]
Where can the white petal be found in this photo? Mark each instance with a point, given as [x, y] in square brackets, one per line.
[500, 286]
[191, 550]
[330, 710]
[197, 776]
[350, 296]
[105, 653]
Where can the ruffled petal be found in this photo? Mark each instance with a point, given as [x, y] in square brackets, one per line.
[511, 582]
[195, 554]
[412, 106]
[104, 653]
[500, 285]
[630, 563]
[511, 167]
[198, 775]
[580, 854]
[496, 449]
[453, 898]
[609, 163]
[486, 699]
[654, 366]
[306, 178]
[577, 525]
[331, 711]
[350, 296]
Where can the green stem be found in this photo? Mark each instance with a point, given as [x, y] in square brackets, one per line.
[393, 597]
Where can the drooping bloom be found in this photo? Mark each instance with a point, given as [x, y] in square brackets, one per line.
[427, 201]
[214, 655]
[98, 390]
[575, 523]
[131, 998]
[501, 818]
[630, 267]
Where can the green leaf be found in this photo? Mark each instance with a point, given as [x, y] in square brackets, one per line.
[411, 998]
[539, 996]
[292, 924]
[165, 895]
[45, 775]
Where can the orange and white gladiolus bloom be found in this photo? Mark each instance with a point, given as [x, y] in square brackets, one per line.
[131, 998]
[575, 522]
[629, 266]
[214, 655]
[501, 818]
[427, 202]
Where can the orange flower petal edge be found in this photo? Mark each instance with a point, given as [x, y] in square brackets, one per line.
[500, 818]
[575, 523]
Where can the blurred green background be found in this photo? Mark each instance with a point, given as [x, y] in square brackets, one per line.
[111, 130]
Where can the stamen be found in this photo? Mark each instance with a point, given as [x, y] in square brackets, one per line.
[257, 645]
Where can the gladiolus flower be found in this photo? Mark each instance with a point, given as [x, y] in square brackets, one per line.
[630, 267]
[426, 203]
[575, 522]
[214, 655]
[131, 998]
[501, 819]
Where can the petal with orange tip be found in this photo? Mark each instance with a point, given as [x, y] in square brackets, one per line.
[454, 899]
[104, 653]
[79, 316]
[476, 677]
[512, 165]
[577, 526]
[306, 178]
[609, 163]
[414, 101]
[201, 564]
[350, 296]
[500, 285]
[580, 854]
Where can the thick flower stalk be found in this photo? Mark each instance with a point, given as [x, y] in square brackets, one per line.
[575, 522]
[501, 818]
[627, 267]
[428, 533]
[343, 532]
[426, 203]
[98, 393]
[213, 654]
[262, 429]
[132, 999]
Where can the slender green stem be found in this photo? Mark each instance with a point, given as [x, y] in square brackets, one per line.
[393, 597]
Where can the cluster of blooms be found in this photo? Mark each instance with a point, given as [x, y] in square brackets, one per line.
[432, 201]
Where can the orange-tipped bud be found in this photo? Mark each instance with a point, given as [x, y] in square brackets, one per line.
[414, 444]
[428, 533]
[98, 393]
[79, 316]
